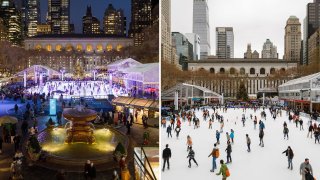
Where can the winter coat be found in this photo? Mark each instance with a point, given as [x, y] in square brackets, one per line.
[189, 141]
[229, 149]
[232, 135]
[285, 130]
[261, 134]
[191, 154]
[125, 175]
[248, 140]
[289, 153]
[308, 176]
[169, 129]
[166, 153]
[303, 166]
[218, 135]
[223, 170]
[213, 152]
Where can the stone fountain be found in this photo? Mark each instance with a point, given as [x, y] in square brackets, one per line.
[79, 128]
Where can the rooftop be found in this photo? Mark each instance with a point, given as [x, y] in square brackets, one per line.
[76, 36]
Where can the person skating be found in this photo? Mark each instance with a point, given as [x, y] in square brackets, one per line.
[218, 137]
[215, 154]
[169, 129]
[210, 124]
[301, 124]
[228, 137]
[232, 135]
[310, 131]
[191, 155]
[303, 166]
[223, 170]
[189, 143]
[229, 150]
[243, 120]
[255, 122]
[261, 134]
[248, 142]
[289, 154]
[166, 155]
[285, 132]
[316, 135]
[221, 125]
[178, 129]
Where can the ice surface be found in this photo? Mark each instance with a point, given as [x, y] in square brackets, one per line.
[262, 163]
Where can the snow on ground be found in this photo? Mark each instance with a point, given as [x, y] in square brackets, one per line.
[263, 163]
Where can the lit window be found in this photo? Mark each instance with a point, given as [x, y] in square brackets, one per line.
[89, 47]
[58, 47]
[119, 47]
[49, 47]
[109, 47]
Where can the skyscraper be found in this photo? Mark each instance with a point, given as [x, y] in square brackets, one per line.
[59, 16]
[114, 22]
[201, 25]
[311, 24]
[140, 19]
[224, 42]
[3, 31]
[194, 39]
[90, 24]
[249, 54]
[269, 50]
[292, 39]
[184, 49]
[166, 38]
[32, 17]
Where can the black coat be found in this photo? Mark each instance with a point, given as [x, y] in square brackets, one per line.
[229, 149]
[92, 172]
[166, 153]
[87, 168]
[289, 153]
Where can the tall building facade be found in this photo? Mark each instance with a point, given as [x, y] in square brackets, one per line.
[201, 25]
[166, 38]
[292, 39]
[249, 54]
[269, 50]
[59, 16]
[314, 49]
[224, 42]
[141, 18]
[43, 29]
[90, 24]
[194, 39]
[114, 22]
[311, 24]
[184, 49]
[3, 31]
[32, 17]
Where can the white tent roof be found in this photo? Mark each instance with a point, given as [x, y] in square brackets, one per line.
[123, 63]
[38, 68]
[304, 79]
[142, 68]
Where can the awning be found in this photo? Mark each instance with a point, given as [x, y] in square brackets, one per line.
[136, 102]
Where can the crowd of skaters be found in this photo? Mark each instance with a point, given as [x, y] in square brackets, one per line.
[188, 116]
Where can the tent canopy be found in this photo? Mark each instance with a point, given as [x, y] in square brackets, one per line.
[122, 64]
[38, 68]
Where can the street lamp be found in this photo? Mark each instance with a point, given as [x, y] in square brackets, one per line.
[94, 74]
[62, 73]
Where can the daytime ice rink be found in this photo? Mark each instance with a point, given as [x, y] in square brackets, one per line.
[262, 163]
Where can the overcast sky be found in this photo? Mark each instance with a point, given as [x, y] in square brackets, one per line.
[253, 21]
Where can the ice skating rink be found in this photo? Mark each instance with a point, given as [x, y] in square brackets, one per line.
[262, 163]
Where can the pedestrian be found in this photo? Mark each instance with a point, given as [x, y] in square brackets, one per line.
[255, 122]
[301, 124]
[232, 135]
[289, 154]
[303, 166]
[16, 108]
[86, 169]
[172, 123]
[215, 154]
[191, 155]
[16, 141]
[221, 125]
[169, 129]
[166, 155]
[1, 141]
[223, 170]
[218, 136]
[285, 132]
[310, 130]
[228, 137]
[92, 171]
[243, 120]
[248, 142]
[128, 127]
[229, 150]
[261, 134]
[189, 143]
[125, 174]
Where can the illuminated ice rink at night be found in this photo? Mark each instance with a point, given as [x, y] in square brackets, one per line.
[97, 89]
[262, 163]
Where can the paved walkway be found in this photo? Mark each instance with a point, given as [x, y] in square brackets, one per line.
[35, 172]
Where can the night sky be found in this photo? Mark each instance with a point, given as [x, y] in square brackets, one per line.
[78, 10]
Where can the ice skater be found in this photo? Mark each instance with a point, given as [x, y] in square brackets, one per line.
[169, 129]
[229, 150]
[261, 134]
[285, 132]
[218, 136]
[232, 135]
[191, 155]
[166, 155]
[189, 143]
[215, 154]
[248, 142]
[289, 154]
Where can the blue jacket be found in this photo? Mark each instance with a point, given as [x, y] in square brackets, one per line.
[218, 135]
[232, 135]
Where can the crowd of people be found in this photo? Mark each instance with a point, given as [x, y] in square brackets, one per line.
[189, 116]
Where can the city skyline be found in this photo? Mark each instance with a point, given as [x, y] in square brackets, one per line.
[78, 10]
[252, 23]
